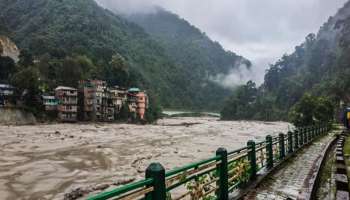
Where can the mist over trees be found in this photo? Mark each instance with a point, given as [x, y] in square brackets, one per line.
[315, 75]
[82, 40]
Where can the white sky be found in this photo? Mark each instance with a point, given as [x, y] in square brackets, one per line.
[260, 30]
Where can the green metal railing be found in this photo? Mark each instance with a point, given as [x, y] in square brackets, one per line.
[216, 177]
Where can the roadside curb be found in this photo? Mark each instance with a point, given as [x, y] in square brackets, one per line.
[341, 178]
[313, 181]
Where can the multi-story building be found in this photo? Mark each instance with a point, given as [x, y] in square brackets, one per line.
[142, 104]
[67, 103]
[86, 101]
[100, 100]
[96, 101]
[6, 95]
[50, 102]
[118, 97]
[137, 102]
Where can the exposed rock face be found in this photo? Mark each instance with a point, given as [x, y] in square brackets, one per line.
[12, 116]
[8, 48]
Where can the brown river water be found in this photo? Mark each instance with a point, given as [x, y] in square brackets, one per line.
[48, 161]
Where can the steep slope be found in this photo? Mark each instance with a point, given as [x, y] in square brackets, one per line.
[319, 66]
[178, 75]
[8, 48]
[197, 55]
[82, 27]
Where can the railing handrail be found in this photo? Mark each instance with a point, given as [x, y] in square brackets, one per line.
[190, 166]
[271, 150]
[122, 189]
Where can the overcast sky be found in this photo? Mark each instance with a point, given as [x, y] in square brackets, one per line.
[260, 30]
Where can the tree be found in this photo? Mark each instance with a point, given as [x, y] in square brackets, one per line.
[310, 110]
[72, 69]
[7, 68]
[27, 83]
[154, 110]
[302, 113]
[241, 105]
[25, 58]
[117, 71]
[324, 110]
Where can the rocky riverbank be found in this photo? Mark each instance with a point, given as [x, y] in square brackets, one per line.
[14, 116]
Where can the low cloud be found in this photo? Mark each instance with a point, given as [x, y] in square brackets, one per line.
[260, 30]
[235, 77]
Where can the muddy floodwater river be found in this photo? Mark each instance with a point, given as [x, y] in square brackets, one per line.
[49, 161]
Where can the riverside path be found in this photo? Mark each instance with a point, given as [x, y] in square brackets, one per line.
[291, 181]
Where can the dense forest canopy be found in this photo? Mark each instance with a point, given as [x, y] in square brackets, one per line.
[198, 57]
[319, 66]
[82, 39]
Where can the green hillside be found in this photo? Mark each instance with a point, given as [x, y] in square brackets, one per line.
[61, 28]
[194, 53]
[319, 67]
[80, 33]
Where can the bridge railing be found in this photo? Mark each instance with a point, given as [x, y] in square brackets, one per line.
[216, 177]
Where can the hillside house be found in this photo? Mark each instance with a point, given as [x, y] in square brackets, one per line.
[50, 102]
[6, 95]
[118, 97]
[86, 101]
[67, 103]
[137, 102]
[100, 97]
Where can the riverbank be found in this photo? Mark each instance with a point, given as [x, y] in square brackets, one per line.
[15, 116]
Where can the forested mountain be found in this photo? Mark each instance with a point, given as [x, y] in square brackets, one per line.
[319, 66]
[70, 40]
[199, 57]
[56, 29]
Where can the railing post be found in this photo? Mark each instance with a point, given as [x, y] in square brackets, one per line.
[311, 133]
[252, 159]
[281, 145]
[308, 133]
[301, 138]
[323, 130]
[315, 131]
[269, 152]
[296, 139]
[305, 135]
[290, 142]
[157, 172]
[222, 192]
[319, 130]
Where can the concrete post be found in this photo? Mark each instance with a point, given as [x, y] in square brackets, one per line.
[252, 158]
[269, 152]
[222, 192]
[282, 146]
[157, 172]
[290, 142]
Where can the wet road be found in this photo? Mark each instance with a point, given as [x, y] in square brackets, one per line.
[290, 180]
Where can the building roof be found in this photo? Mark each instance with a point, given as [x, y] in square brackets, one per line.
[134, 90]
[65, 88]
[48, 97]
[6, 86]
